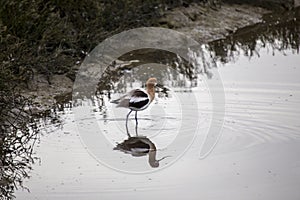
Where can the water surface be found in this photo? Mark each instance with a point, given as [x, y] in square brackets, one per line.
[256, 157]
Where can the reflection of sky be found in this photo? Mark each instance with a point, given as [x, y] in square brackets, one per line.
[278, 69]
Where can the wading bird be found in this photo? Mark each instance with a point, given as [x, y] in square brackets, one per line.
[137, 100]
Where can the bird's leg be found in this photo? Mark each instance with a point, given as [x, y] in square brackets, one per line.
[136, 123]
[136, 120]
[127, 123]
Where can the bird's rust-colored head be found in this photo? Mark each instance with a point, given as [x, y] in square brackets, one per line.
[151, 82]
[150, 85]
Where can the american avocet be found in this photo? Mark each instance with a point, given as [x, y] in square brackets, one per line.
[137, 100]
[140, 146]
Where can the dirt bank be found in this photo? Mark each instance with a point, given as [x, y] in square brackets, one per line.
[205, 24]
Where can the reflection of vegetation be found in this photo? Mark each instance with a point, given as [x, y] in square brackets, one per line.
[280, 31]
[129, 63]
[18, 133]
[141, 64]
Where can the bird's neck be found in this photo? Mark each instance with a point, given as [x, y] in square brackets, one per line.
[151, 92]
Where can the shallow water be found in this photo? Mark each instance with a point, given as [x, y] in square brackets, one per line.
[256, 157]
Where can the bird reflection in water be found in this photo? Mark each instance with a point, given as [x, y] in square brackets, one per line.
[140, 146]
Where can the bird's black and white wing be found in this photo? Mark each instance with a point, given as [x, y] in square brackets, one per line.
[139, 100]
